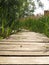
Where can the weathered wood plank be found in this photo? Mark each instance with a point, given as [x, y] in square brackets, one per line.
[18, 48]
[27, 36]
[21, 42]
[24, 60]
[34, 46]
[24, 47]
[11, 53]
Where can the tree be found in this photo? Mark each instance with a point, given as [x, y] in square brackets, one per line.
[30, 7]
[40, 3]
[10, 11]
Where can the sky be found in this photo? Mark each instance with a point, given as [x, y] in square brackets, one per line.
[40, 10]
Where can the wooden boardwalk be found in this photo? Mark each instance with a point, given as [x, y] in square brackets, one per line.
[25, 48]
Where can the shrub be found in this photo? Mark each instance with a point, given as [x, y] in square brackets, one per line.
[40, 24]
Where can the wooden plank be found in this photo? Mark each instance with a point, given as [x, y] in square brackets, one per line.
[18, 48]
[22, 42]
[25, 40]
[23, 47]
[24, 60]
[11, 53]
[27, 36]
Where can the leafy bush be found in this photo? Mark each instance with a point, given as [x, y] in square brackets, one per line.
[40, 24]
[10, 12]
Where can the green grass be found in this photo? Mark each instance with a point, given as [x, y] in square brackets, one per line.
[40, 25]
[6, 30]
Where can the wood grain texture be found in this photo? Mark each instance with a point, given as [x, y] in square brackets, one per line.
[24, 60]
[25, 48]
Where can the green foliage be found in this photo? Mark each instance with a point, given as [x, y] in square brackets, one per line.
[40, 24]
[10, 12]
